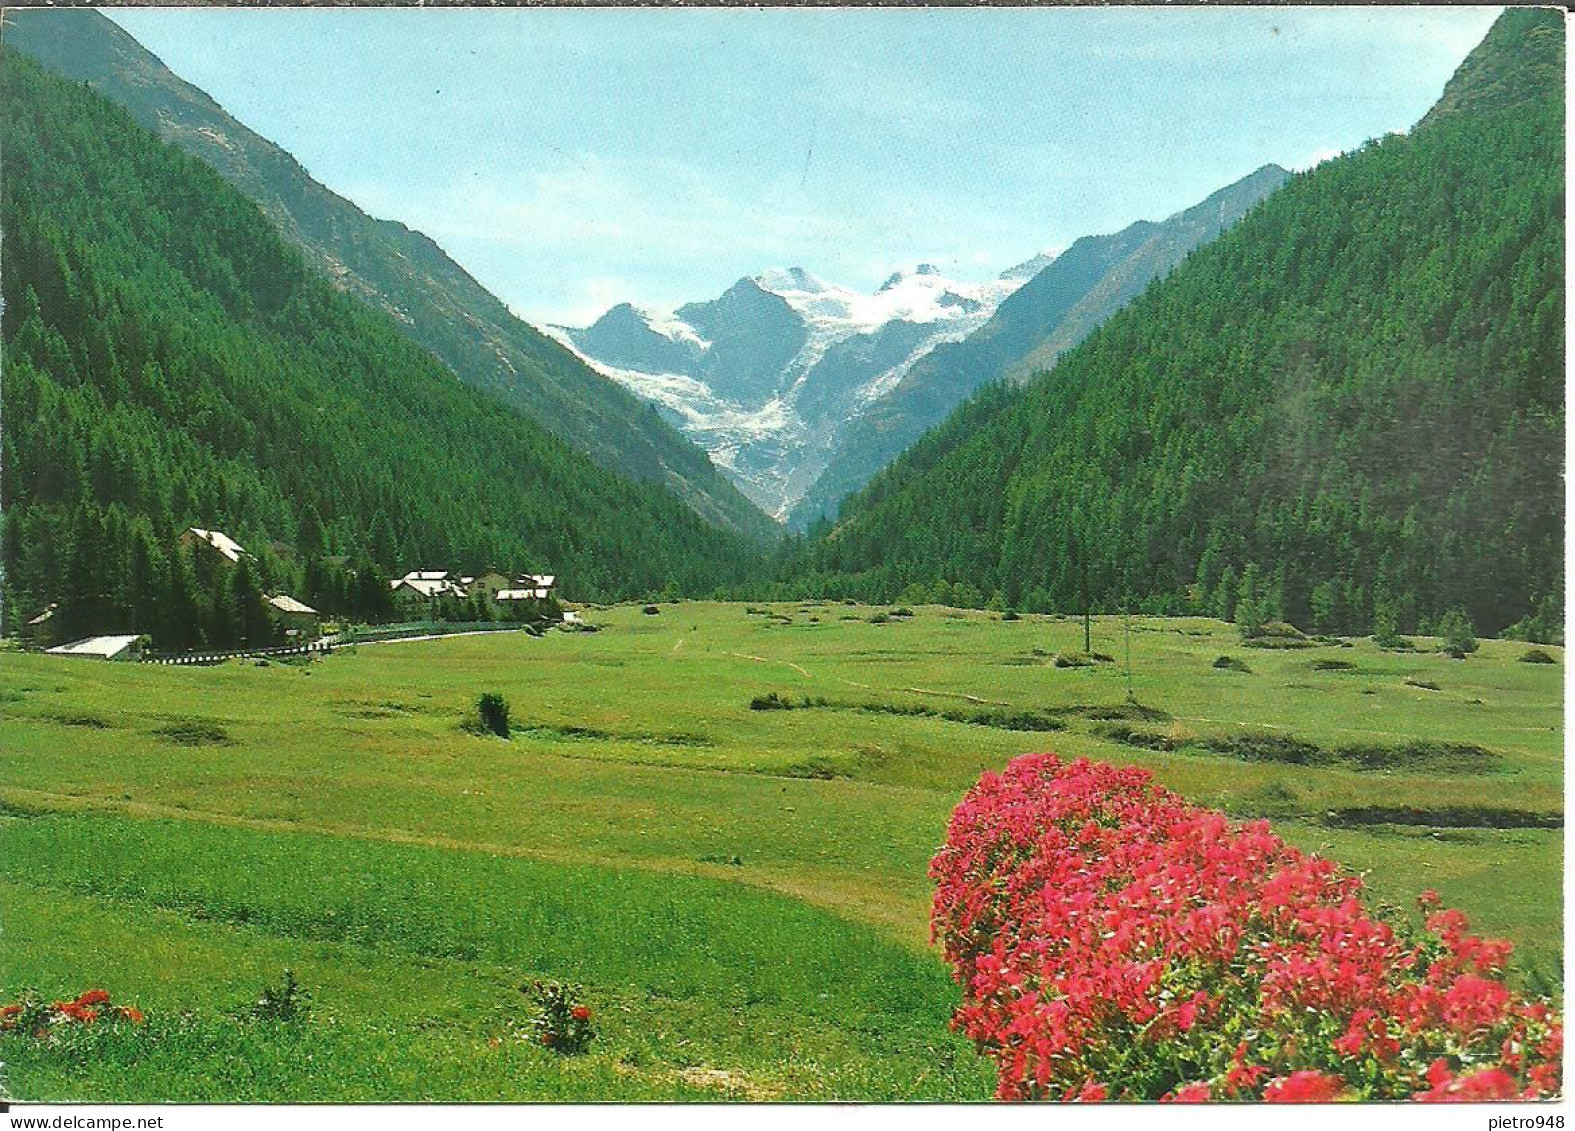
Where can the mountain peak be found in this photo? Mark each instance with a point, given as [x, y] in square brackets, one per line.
[745, 288]
[923, 270]
[778, 279]
[1028, 268]
[624, 312]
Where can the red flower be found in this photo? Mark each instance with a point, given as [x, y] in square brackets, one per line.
[581, 1013]
[1489, 1084]
[1304, 1087]
[1189, 1094]
[1091, 1093]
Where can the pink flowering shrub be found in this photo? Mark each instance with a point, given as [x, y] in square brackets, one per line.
[1115, 942]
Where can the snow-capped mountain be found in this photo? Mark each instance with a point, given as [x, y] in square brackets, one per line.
[766, 376]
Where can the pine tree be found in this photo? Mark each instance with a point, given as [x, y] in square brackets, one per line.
[146, 584]
[1226, 594]
[246, 610]
[180, 614]
[1460, 639]
[1251, 611]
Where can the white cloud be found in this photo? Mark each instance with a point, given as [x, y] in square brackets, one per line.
[1315, 158]
[588, 299]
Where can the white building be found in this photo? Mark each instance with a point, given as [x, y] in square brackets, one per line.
[217, 541]
[103, 648]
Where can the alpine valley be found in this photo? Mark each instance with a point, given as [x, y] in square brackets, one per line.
[1063, 685]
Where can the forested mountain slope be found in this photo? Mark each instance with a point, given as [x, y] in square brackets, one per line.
[170, 361]
[1058, 307]
[1348, 408]
[431, 298]
[1498, 76]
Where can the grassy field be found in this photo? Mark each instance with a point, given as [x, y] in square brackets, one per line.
[741, 891]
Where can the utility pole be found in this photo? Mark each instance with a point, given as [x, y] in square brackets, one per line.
[1088, 645]
[1126, 631]
[1088, 641]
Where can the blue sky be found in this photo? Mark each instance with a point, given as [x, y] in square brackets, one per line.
[573, 158]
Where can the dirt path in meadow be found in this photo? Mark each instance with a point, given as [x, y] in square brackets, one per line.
[805, 672]
[767, 660]
[958, 695]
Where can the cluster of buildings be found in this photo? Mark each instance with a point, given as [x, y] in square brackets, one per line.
[298, 620]
[421, 591]
[420, 594]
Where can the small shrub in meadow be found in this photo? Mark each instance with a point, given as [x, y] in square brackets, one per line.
[562, 1021]
[1115, 942]
[492, 710]
[650, 610]
[288, 1002]
[1386, 630]
[1460, 639]
[1230, 664]
[194, 732]
[1281, 630]
[1536, 656]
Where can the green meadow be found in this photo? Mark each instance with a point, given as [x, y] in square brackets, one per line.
[716, 819]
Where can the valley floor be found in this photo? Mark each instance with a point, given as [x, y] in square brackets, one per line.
[716, 818]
